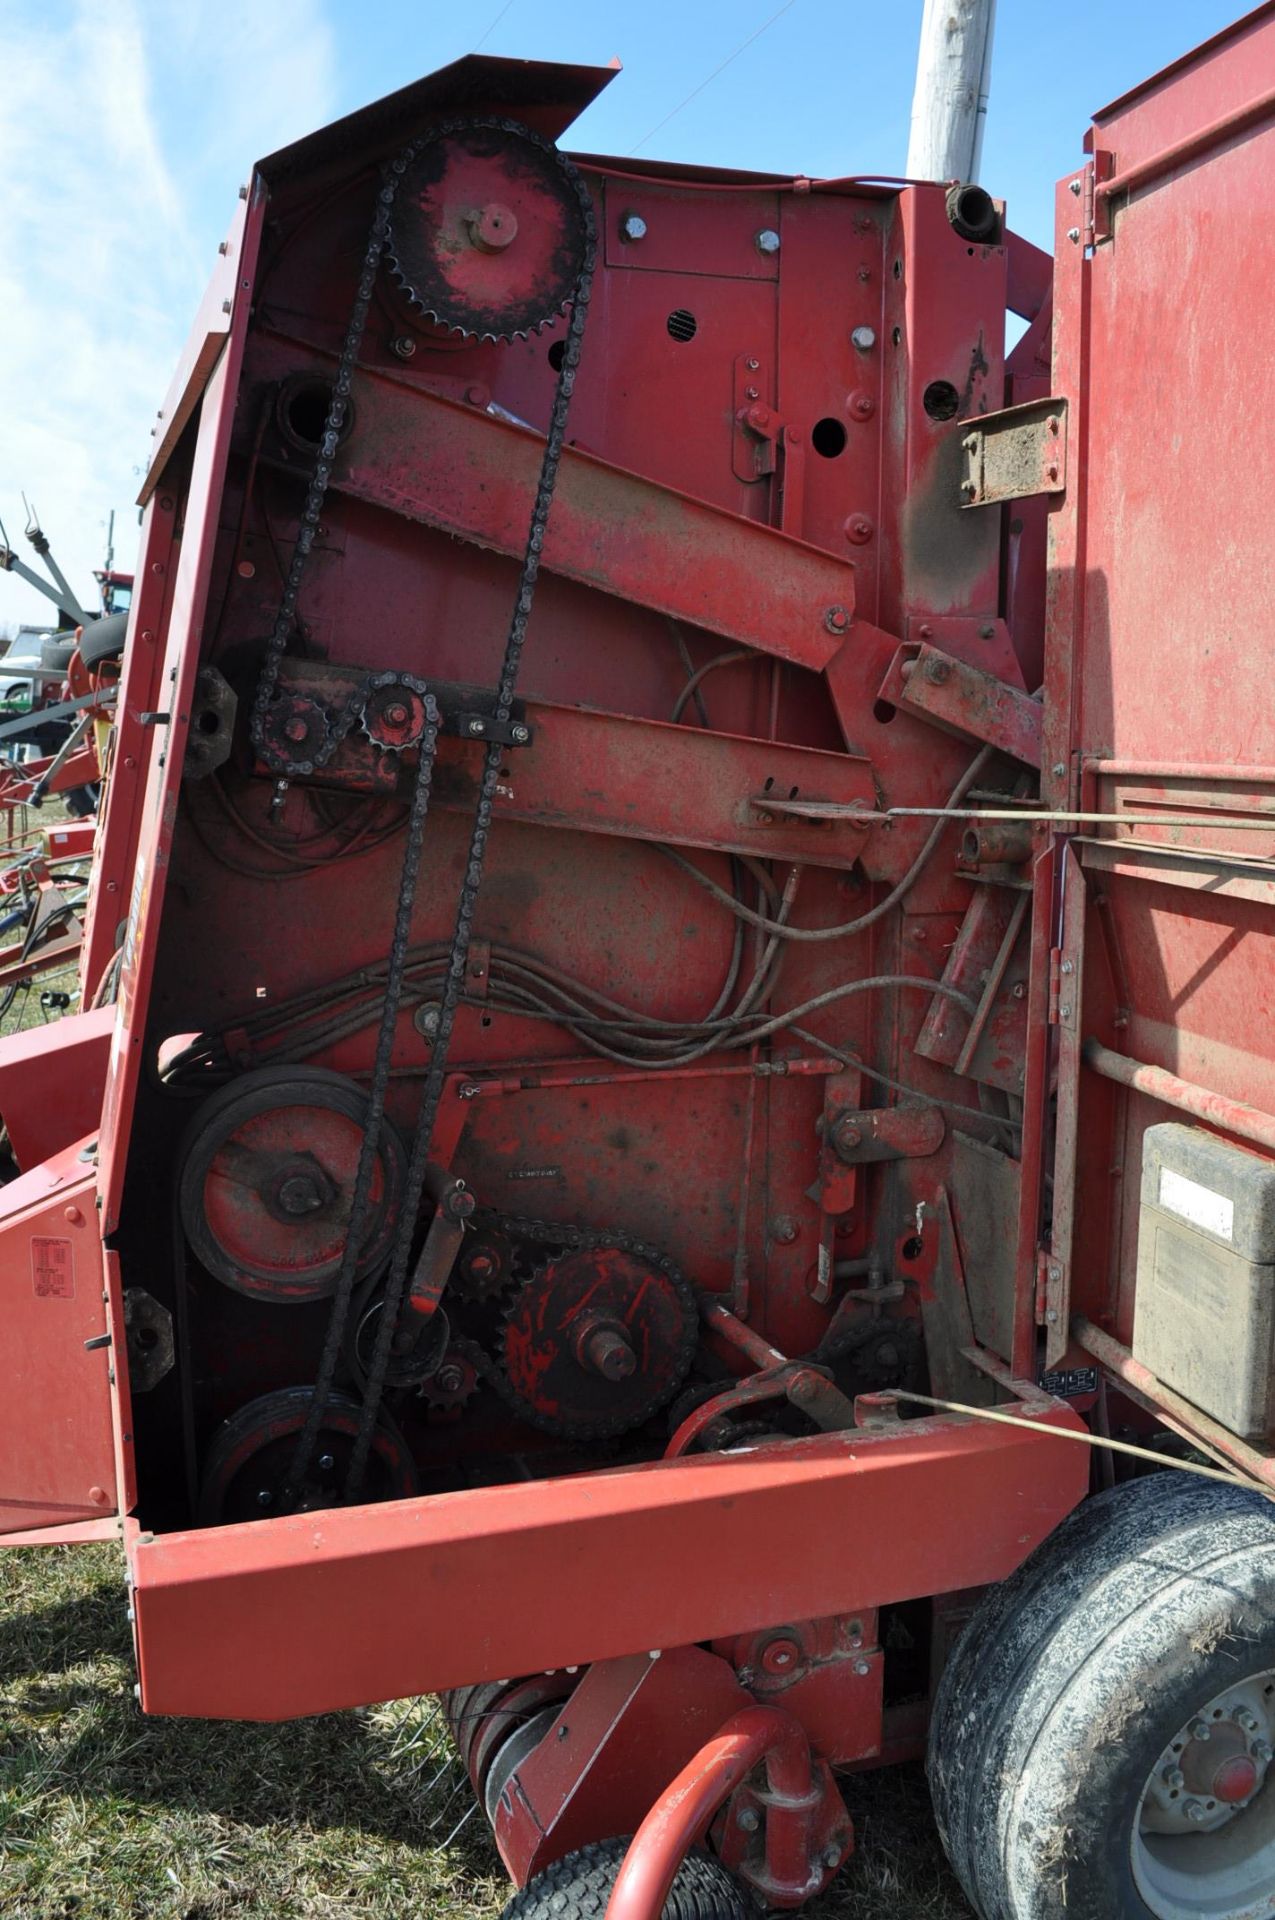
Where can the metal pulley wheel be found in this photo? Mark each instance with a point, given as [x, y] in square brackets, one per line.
[246, 1471]
[267, 1180]
[488, 233]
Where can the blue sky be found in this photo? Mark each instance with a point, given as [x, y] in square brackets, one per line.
[126, 127]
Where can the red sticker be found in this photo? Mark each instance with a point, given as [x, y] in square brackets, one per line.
[52, 1269]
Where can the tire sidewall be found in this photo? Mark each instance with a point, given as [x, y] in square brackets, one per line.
[1067, 1826]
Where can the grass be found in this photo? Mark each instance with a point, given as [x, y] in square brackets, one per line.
[108, 1815]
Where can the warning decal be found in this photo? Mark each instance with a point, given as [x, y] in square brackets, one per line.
[52, 1269]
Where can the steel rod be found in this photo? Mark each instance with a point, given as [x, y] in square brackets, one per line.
[1232, 1116]
[1119, 1361]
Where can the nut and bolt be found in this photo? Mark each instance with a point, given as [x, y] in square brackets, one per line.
[1073, 234]
[476, 726]
[299, 1194]
[265, 1498]
[859, 529]
[938, 671]
[521, 734]
[606, 1351]
[832, 1857]
[1058, 769]
[633, 227]
[450, 1377]
[403, 345]
[836, 619]
[864, 338]
[748, 1820]
[1201, 1730]
[1074, 186]
[784, 1230]
[1246, 1721]
[1068, 966]
[1194, 1810]
[1262, 1752]
[780, 1655]
[1174, 1777]
[863, 1668]
[767, 241]
[326, 1462]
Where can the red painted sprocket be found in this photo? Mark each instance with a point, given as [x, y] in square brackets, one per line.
[598, 1341]
[488, 233]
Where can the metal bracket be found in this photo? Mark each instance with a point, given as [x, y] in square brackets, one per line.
[1014, 454]
[487, 726]
[962, 699]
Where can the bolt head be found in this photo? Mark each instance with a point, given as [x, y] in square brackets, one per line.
[520, 734]
[403, 345]
[326, 1462]
[1194, 1810]
[1074, 186]
[1174, 1777]
[1201, 1730]
[475, 726]
[864, 338]
[748, 1820]
[836, 619]
[1263, 1752]
[1073, 234]
[265, 1498]
[633, 227]
[767, 241]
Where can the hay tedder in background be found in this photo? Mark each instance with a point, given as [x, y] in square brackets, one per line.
[57, 695]
[685, 1064]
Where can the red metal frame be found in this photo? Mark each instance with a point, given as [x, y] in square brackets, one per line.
[760, 506]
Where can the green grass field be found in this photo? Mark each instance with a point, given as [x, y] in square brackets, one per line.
[108, 1815]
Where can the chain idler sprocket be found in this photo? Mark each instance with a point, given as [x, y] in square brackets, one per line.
[488, 236]
[597, 1340]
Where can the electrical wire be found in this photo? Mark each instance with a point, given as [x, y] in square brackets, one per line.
[480, 44]
[692, 687]
[728, 61]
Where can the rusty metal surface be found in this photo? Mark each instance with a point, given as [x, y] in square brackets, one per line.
[1014, 454]
[57, 1454]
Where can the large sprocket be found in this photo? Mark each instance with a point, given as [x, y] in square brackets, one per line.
[598, 1340]
[488, 232]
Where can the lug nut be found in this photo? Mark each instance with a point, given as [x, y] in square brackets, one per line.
[1194, 1810]
[1174, 1777]
[1200, 1729]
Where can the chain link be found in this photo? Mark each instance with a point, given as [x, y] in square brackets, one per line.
[275, 756]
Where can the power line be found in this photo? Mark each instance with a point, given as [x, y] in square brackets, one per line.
[742, 48]
[492, 28]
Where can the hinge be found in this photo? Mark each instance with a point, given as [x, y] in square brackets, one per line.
[1098, 206]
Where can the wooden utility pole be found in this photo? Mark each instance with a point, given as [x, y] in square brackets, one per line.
[953, 72]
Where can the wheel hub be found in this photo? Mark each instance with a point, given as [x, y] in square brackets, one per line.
[1203, 1846]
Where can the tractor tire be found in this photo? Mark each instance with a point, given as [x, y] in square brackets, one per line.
[104, 639]
[56, 651]
[1076, 1689]
[578, 1887]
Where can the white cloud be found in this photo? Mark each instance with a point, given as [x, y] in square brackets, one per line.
[125, 129]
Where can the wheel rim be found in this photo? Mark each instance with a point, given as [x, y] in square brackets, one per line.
[1203, 1841]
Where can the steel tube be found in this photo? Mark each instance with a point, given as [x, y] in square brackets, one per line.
[1231, 1116]
[1180, 151]
[681, 1818]
[1119, 1361]
[758, 1352]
